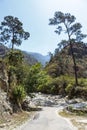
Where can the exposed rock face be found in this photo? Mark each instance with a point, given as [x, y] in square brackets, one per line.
[45, 100]
[5, 106]
[28, 105]
[42, 100]
[79, 107]
[3, 77]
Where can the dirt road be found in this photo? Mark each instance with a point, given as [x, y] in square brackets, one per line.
[48, 119]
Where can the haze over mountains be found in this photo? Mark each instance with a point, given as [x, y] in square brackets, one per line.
[43, 59]
[30, 57]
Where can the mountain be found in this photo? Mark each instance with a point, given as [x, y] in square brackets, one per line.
[27, 57]
[40, 58]
[3, 50]
[61, 62]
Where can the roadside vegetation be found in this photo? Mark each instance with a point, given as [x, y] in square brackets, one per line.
[66, 72]
[75, 118]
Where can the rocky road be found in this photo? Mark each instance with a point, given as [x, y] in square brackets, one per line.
[48, 119]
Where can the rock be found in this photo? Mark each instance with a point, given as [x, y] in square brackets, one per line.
[40, 100]
[25, 104]
[78, 108]
[3, 76]
[73, 101]
[2, 125]
[46, 100]
[5, 105]
[7, 108]
[28, 105]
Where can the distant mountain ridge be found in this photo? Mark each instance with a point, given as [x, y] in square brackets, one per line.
[40, 58]
[29, 57]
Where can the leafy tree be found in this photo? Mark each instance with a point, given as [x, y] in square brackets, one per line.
[12, 31]
[31, 80]
[15, 57]
[15, 66]
[18, 94]
[44, 82]
[66, 23]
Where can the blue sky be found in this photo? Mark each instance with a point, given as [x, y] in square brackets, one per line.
[35, 16]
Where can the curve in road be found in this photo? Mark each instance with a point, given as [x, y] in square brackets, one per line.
[48, 119]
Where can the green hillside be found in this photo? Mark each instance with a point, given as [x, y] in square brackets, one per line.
[61, 62]
[27, 57]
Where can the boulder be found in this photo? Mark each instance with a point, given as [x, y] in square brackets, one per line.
[3, 76]
[28, 105]
[5, 105]
[78, 108]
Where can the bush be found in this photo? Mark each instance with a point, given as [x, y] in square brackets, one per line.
[32, 77]
[82, 82]
[69, 88]
[43, 82]
[18, 94]
[60, 83]
[81, 92]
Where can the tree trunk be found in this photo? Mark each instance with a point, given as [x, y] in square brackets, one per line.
[9, 79]
[12, 46]
[13, 40]
[74, 62]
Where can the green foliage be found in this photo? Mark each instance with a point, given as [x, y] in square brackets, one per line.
[81, 92]
[15, 68]
[31, 79]
[59, 84]
[62, 64]
[44, 82]
[69, 88]
[11, 77]
[53, 69]
[81, 89]
[65, 22]
[83, 82]
[18, 94]
[12, 31]
[38, 80]
[15, 57]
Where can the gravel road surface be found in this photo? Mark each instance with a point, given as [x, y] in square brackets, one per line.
[48, 119]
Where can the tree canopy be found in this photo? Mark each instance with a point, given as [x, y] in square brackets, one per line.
[66, 23]
[12, 31]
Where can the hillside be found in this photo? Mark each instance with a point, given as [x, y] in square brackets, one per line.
[40, 58]
[61, 62]
[3, 50]
[27, 57]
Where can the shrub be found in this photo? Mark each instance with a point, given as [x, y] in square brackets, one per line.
[18, 94]
[81, 92]
[82, 82]
[69, 88]
[43, 82]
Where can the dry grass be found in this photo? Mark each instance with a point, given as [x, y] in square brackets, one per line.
[15, 120]
[76, 120]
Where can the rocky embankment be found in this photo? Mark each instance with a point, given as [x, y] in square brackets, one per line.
[38, 101]
[75, 109]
